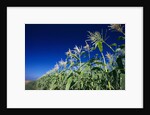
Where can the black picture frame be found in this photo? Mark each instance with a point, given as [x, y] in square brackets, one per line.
[94, 3]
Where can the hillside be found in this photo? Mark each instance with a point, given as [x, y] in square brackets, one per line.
[29, 85]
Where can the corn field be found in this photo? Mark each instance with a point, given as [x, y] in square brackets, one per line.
[103, 71]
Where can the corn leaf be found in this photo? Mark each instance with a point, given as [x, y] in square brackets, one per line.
[121, 38]
[100, 46]
[68, 83]
[114, 44]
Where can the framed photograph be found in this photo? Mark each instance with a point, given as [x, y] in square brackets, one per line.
[73, 56]
[97, 62]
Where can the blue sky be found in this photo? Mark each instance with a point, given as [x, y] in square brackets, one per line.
[46, 44]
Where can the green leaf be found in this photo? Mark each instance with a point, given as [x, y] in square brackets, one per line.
[114, 44]
[109, 85]
[82, 84]
[122, 46]
[95, 68]
[92, 48]
[53, 87]
[121, 38]
[99, 63]
[91, 60]
[73, 55]
[120, 64]
[100, 46]
[122, 81]
[92, 84]
[97, 87]
[68, 83]
[83, 52]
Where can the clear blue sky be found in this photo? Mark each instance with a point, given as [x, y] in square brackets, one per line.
[46, 44]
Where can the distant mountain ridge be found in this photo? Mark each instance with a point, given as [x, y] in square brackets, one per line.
[27, 81]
